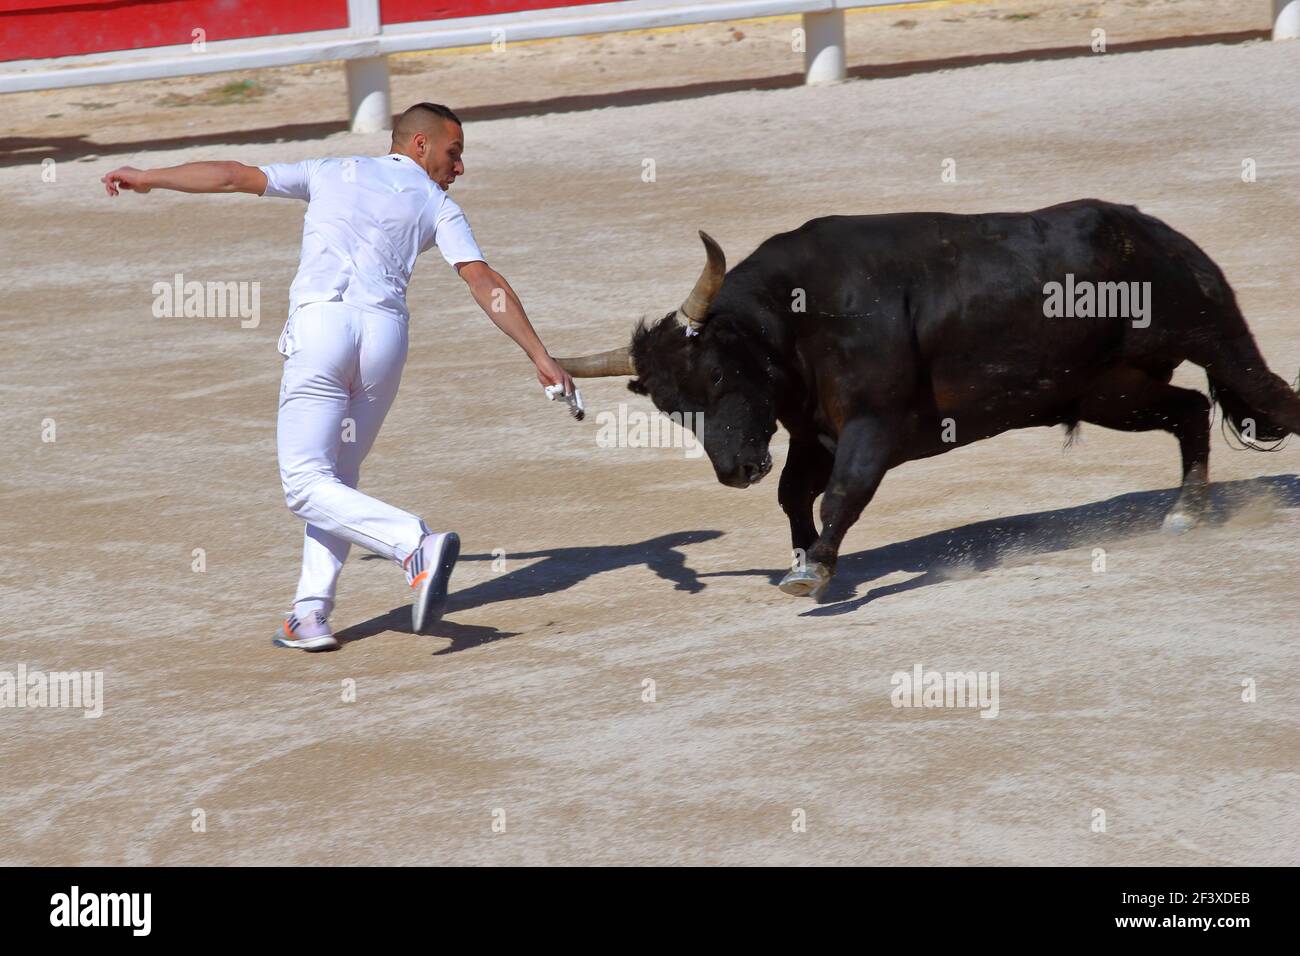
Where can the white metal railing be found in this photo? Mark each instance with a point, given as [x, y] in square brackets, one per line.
[365, 45]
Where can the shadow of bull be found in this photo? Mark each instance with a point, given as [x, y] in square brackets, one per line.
[933, 558]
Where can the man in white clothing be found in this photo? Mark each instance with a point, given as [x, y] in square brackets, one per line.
[368, 218]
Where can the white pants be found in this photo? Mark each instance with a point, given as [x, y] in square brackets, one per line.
[341, 371]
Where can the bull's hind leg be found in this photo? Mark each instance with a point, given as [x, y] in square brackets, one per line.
[1130, 400]
[861, 458]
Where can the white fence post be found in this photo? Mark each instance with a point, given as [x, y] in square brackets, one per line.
[1286, 19]
[823, 56]
[370, 104]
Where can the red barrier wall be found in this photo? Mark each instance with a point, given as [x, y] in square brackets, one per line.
[41, 28]
[413, 11]
[31, 29]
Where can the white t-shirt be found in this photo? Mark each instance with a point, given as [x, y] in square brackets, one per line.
[368, 217]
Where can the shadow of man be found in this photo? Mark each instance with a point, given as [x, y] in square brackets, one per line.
[553, 570]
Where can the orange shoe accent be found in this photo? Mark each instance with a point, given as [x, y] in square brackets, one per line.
[285, 627]
[418, 578]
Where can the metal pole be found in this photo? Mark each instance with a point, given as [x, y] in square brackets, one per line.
[370, 104]
[824, 53]
[1286, 19]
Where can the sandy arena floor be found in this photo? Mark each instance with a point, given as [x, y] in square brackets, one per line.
[1119, 691]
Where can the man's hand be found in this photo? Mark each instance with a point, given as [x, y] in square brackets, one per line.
[125, 177]
[550, 373]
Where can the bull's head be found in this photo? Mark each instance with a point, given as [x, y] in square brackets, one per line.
[702, 365]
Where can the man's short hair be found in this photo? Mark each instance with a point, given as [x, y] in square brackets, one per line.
[422, 118]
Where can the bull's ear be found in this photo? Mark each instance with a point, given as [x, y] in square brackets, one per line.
[636, 386]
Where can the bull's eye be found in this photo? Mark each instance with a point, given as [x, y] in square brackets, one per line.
[715, 378]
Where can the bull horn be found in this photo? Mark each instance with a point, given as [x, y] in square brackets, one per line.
[696, 306]
[600, 365]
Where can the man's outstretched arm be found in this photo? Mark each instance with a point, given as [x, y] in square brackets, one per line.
[499, 302]
[212, 177]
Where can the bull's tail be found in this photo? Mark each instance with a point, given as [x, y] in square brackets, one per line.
[1258, 405]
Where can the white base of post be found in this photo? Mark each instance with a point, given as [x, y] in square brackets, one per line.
[824, 53]
[370, 104]
[1286, 19]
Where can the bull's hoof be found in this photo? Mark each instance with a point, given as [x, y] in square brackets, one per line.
[1180, 522]
[809, 581]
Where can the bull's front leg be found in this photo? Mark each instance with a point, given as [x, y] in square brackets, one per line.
[861, 458]
[807, 469]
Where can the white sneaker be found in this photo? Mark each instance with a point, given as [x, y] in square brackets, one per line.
[308, 633]
[428, 570]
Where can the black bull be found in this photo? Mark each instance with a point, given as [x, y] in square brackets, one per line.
[876, 340]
